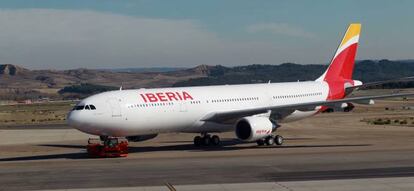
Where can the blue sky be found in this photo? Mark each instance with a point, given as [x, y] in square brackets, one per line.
[150, 33]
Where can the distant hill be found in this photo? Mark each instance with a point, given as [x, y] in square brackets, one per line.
[145, 70]
[369, 71]
[12, 76]
[20, 83]
[12, 70]
[366, 71]
[84, 89]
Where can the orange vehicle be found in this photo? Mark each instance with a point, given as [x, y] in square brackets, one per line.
[109, 147]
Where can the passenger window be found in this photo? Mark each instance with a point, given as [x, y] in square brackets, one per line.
[87, 107]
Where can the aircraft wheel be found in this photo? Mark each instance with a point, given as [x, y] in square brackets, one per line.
[260, 142]
[278, 140]
[206, 140]
[198, 141]
[215, 140]
[103, 138]
[270, 140]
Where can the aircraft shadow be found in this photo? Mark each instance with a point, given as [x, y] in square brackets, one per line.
[225, 141]
[63, 146]
[78, 155]
[228, 145]
[300, 138]
[240, 142]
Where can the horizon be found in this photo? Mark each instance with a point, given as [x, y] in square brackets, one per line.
[48, 34]
[173, 68]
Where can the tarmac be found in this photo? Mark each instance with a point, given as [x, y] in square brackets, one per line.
[377, 184]
[327, 152]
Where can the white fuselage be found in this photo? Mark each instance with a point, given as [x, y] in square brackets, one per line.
[151, 111]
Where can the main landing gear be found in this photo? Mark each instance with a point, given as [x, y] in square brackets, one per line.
[270, 140]
[206, 140]
[107, 147]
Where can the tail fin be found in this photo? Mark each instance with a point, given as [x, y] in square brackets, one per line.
[342, 64]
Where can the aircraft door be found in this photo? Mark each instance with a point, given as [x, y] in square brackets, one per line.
[183, 106]
[114, 104]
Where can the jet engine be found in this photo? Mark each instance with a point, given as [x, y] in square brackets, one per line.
[344, 107]
[347, 107]
[140, 138]
[254, 128]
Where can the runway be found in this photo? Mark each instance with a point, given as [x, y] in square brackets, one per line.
[348, 150]
[76, 171]
[35, 126]
[86, 173]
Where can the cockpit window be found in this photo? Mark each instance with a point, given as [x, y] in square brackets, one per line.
[79, 107]
[82, 107]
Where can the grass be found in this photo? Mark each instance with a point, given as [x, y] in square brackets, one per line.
[52, 112]
[397, 121]
[55, 112]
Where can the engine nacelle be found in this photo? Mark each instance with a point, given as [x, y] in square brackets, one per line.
[344, 107]
[139, 138]
[347, 107]
[254, 128]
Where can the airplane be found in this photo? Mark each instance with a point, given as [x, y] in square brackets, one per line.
[253, 111]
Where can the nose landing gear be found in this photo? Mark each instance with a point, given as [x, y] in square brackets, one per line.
[107, 147]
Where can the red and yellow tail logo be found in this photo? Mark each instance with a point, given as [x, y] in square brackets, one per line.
[339, 73]
[342, 64]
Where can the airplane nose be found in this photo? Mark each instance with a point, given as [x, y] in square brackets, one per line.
[73, 119]
[82, 122]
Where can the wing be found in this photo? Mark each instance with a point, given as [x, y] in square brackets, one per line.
[374, 84]
[222, 117]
